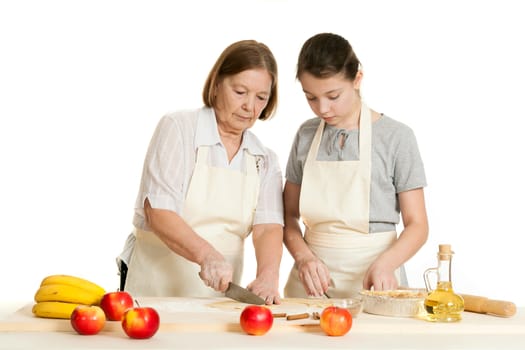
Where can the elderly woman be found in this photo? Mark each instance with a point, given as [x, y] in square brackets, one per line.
[207, 183]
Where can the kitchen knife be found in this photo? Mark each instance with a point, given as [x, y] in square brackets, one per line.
[243, 295]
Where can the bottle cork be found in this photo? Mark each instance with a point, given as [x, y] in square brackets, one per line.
[445, 252]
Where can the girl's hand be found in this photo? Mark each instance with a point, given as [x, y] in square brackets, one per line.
[314, 275]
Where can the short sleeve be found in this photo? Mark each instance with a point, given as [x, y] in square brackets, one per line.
[294, 170]
[299, 150]
[163, 175]
[409, 172]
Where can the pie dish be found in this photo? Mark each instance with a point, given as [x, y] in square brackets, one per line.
[397, 303]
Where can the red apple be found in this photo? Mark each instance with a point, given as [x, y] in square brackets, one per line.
[256, 319]
[140, 322]
[336, 321]
[115, 303]
[88, 320]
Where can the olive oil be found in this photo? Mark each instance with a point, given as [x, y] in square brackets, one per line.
[442, 304]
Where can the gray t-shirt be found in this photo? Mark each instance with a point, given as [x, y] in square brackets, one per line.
[396, 163]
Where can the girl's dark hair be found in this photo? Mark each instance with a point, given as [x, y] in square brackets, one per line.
[325, 55]
[236, 58]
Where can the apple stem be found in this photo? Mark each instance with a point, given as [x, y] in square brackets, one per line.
[136, 302]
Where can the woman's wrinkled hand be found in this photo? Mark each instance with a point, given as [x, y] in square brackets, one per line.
[216, 273]
[267, 287]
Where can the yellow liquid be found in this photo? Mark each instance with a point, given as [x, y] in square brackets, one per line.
[442, 305]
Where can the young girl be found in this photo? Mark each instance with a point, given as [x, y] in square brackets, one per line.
[351, 172]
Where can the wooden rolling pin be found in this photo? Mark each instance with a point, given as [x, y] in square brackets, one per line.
[485, 305]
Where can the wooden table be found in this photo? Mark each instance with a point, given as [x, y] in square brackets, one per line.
[191, 324]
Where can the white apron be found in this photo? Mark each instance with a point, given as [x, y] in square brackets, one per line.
[219, 206]
[334, 206]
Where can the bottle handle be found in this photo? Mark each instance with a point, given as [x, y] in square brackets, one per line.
[425, 276]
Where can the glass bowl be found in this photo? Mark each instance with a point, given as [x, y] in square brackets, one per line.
[353, 305]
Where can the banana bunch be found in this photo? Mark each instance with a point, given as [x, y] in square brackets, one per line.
[59, 295]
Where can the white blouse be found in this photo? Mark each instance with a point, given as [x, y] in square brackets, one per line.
[170, 161]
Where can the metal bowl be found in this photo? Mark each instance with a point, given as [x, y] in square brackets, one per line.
[397, 303]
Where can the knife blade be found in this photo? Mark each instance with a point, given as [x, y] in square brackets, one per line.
[243, 295]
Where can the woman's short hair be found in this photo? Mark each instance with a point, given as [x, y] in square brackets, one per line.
[236, 58]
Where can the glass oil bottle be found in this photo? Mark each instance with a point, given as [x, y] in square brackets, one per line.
[442, 304]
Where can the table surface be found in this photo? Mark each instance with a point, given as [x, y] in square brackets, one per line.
[474, 331]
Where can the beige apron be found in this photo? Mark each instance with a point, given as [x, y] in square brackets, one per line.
[334, 206]
[219, 206]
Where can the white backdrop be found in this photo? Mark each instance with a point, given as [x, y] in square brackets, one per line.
[83, 84]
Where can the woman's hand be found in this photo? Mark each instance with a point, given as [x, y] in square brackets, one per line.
[267, 287]
[268, 245]
[216, 272]
[181, 239]
[314, 275]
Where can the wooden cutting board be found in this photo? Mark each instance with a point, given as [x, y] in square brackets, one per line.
[288, 305]
[183, 314]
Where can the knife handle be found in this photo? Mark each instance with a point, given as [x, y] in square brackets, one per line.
[485, 305]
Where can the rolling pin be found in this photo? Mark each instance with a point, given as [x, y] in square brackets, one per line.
[483, 305]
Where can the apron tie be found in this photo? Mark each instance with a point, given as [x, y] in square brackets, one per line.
[351, 240]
